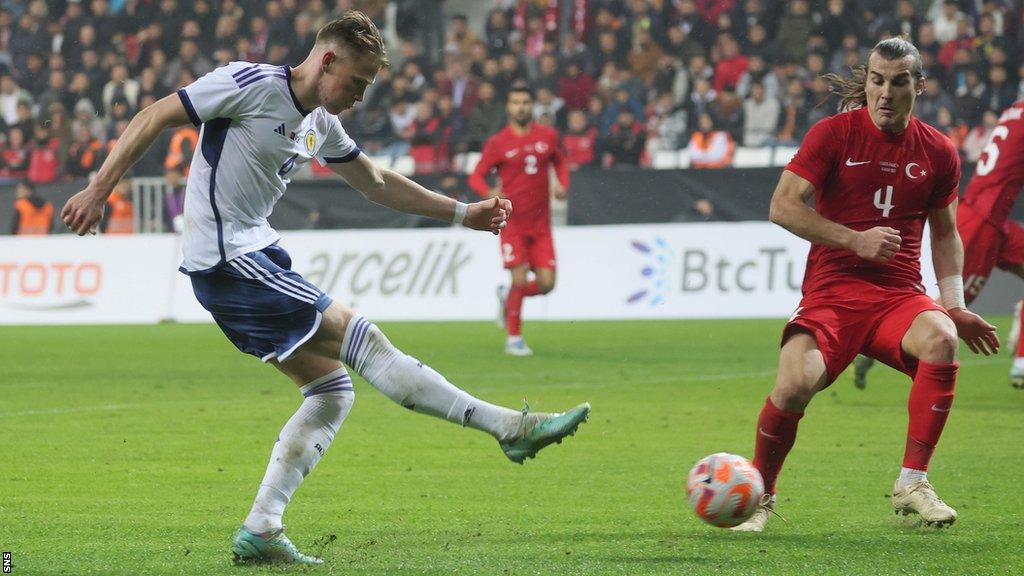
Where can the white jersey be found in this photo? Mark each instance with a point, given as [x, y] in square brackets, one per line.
[254, 133]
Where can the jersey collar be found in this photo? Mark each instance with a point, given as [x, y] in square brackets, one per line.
[288, 75]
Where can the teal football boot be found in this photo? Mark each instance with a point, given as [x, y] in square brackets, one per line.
[272, 548]
[540, 430]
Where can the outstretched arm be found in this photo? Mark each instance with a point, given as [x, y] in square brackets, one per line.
[789, 209]
[391, 189]
[948, 259]
[83, 211]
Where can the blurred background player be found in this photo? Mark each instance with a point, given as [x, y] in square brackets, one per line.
[523, 153]
[876, 174]
[990, 238]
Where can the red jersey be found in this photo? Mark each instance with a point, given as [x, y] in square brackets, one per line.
[864, 177]
[999, 175]
[523, 164]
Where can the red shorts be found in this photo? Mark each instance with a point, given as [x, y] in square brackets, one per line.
[533, 247]
[860, 318]
[986, 247]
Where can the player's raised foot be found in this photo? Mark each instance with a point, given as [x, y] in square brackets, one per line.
[757, 522]
[501, 320]
[920, 498]
[537, 430]
[271, 548]
[517, 347]
[861, 365]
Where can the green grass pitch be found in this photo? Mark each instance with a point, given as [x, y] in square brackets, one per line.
[137, 450]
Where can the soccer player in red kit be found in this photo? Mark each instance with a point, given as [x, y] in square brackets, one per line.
[990, 238]
[523, 154]
[876, 174]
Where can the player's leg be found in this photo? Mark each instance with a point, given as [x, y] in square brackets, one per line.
[414, 385]
[931, 340]
[801, 375]
[328, 395]
[1011, 259]
[522, 287]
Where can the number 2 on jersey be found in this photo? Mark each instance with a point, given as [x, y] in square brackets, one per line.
[884, 206]
[531, 164]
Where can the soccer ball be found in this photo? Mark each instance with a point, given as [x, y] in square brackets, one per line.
[724, 489]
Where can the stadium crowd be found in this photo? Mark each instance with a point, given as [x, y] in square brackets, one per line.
[628, 78]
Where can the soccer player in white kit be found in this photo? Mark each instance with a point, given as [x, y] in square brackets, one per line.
[258, 123]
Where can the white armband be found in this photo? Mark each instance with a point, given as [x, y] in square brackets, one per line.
[951, 292]
[460, 213]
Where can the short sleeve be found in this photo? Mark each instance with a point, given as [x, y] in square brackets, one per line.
[817, 154]
[947, 183]
[338, 146]
[222, 93]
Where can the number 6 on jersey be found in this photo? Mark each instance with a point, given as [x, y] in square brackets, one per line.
[887, 205]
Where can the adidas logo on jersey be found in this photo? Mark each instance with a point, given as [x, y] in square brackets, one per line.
[280, 129]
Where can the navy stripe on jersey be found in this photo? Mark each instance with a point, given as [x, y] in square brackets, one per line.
[257, 73]
[342, 159]
[298, 106]
[245, 70]
[260, 76]
[214, 133]
[187, 102]
[255, 68]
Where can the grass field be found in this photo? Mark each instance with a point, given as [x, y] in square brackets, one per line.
[137, 450]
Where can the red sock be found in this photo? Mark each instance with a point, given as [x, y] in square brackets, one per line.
[776, 433]
[931, 398]
[1020, 341]
[514, 307]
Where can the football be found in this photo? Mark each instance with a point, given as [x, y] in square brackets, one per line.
[724, 489]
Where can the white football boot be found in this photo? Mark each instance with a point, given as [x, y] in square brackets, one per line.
[920, 498]
[760, 518]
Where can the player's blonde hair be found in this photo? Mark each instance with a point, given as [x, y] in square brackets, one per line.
[851, 89]
[356, 31]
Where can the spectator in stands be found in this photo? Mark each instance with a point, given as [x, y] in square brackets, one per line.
[547, 73]
[453, 126]
[666, 124]
[575, 87]
[85, 154]
[425, 140]
[760, 116]
[957, 132]
[839, 21]
[460, 38]
[580, 140]
[683, 45]
[33, 214]
[174, 201]
[645, 57]
[10, 95]
[624, 144]
[44, 165]
[701, 98]
[33, 78]
[978, 137]
[25, 120]
[488, 117]
[948, 22]
[14, 156]
[497, 31]
[793, 122]
[727, 113]
[182, 146]
[120, 86]
[731, 63]
[999, 94]
[118, 218]
[757, 71]
[969, 96]
[702, 210]
[460, 86]
[927, 104]
[794, 32]
[549, 104]
[709, 147]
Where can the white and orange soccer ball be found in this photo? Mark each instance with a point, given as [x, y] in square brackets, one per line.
[724, 489]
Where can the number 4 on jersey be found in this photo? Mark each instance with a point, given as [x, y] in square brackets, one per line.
[884, 206]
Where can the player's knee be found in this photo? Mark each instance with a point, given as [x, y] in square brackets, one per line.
[544, 287]
[939, 346]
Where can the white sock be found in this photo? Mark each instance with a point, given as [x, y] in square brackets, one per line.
[414, 385]
[909, 476]
[513, 339]
[1018, 364]
[300, 445]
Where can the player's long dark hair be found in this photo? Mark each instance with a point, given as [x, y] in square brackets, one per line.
[851, 88]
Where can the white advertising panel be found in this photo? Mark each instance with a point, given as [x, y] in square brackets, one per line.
[92, 280]
[712, 270]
